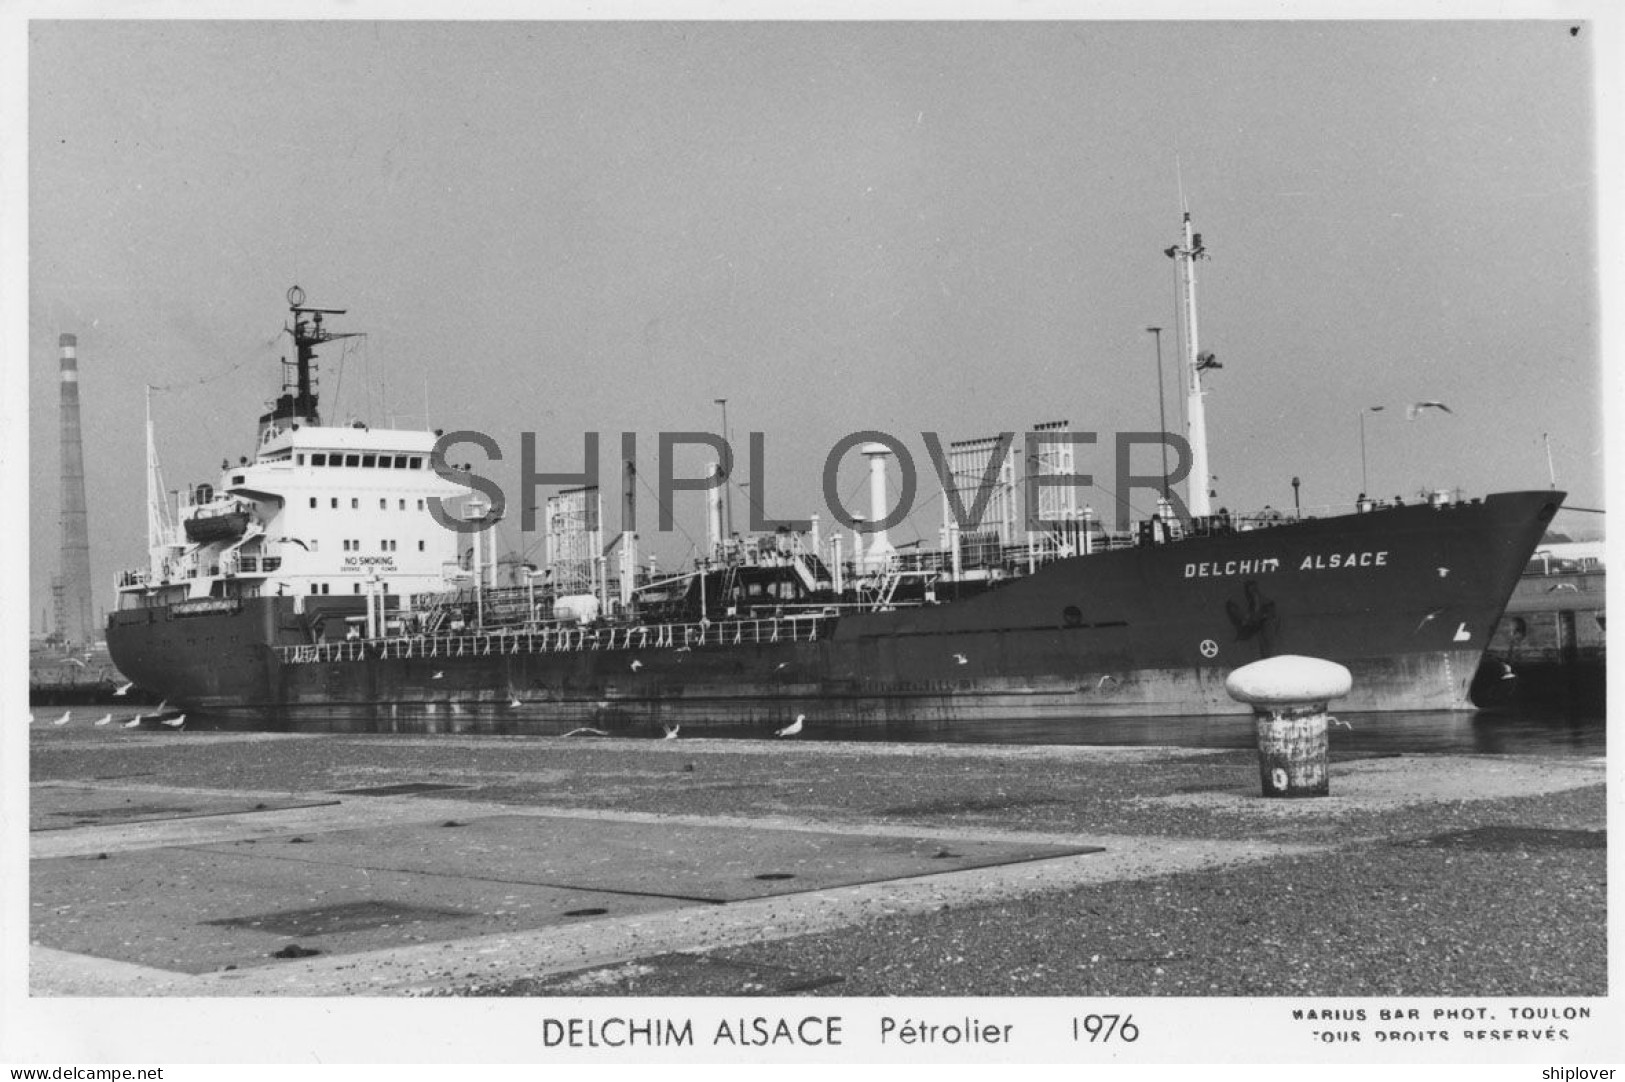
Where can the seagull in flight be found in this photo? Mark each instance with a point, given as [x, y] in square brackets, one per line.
[104, 719]
[636, 664]
[439, 675]
[1413, 410]
[962, 659]
[124, 690]
[794, 728]
[671, 731]
[587, 729]
[514, 700]
[1426, 618]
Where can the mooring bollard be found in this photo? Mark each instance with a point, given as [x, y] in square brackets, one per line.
[1288, 695]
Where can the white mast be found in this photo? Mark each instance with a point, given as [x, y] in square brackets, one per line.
[159, 529]
[1196, 423]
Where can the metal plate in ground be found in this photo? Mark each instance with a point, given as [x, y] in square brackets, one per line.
[63, 807]
[342, 917]
[193, 910]
[665, 859]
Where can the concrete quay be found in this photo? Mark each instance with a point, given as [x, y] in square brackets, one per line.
[230, 864]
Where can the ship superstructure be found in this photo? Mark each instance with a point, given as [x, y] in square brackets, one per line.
[318, 512]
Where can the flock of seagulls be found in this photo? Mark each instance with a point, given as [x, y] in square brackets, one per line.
[177, 721]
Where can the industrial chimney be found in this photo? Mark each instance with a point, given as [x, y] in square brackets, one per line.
[75, 610]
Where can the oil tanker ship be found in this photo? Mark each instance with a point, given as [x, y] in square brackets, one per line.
[311, 588]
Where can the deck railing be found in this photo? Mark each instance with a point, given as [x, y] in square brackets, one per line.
[563, 640]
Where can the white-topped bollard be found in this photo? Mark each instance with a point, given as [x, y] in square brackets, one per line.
[1288, 695]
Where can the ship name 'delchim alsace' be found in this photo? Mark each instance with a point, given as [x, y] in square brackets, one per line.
[311, 588]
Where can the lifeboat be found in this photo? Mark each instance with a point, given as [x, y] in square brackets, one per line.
[209, 527]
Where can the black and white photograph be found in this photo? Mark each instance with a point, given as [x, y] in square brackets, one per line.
[599, 535]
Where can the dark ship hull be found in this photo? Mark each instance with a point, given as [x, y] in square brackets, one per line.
[1405, 597]
[1550, 647]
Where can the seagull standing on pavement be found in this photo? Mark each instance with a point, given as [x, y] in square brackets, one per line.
[793, 728]
[671, 731]
[133, 722]
[124, 690]
[104, 719]
[63, 720]
[175, 722]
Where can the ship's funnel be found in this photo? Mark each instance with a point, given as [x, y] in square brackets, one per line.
[75, 615]
[713, 507]
[880, 549]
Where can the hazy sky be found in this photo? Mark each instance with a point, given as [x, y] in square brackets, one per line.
[951, 226]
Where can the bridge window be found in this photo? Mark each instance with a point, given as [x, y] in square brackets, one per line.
[368, 461]
[417, 462]
[355, 503]
[313, 501]
[352, 460]
[319, 459]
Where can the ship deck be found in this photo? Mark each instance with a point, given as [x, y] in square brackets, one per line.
[586, 866]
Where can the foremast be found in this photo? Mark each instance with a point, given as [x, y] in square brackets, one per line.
[1196, 362]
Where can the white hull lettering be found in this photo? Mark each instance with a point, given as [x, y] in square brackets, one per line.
[1217, 568]
[1344, 560]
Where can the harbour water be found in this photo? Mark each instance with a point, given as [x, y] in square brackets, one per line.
[1523, 730]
